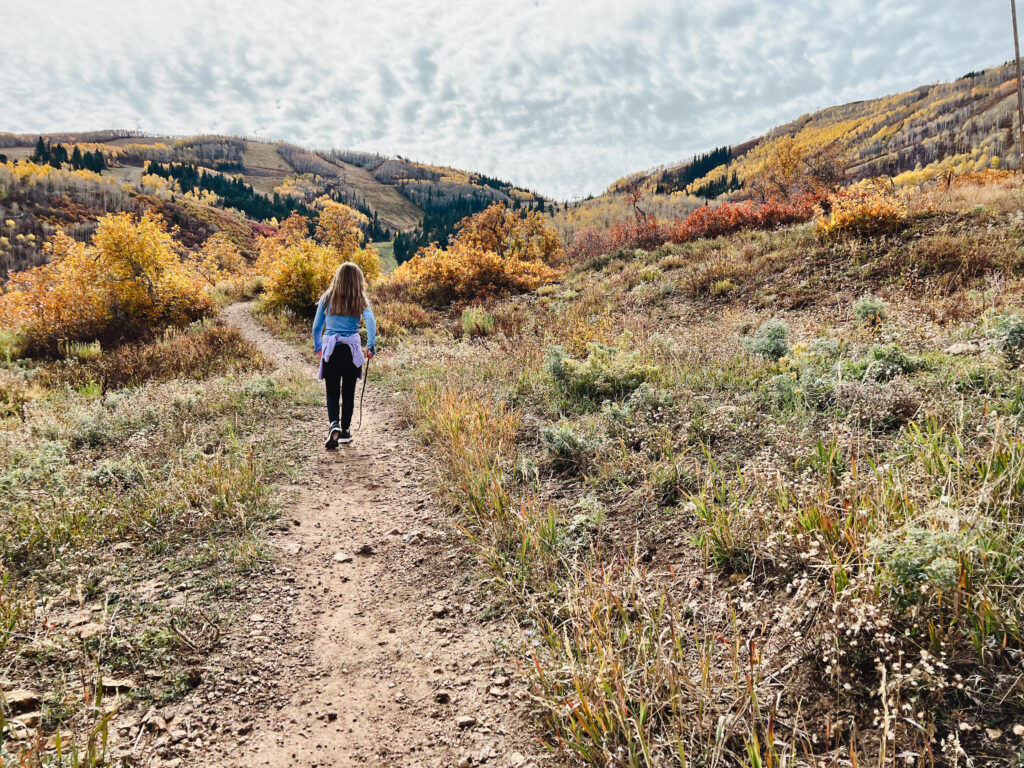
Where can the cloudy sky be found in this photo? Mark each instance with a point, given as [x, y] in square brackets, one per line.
[562, 96]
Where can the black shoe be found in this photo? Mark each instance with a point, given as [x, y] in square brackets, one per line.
[346, 436]
[334, 433]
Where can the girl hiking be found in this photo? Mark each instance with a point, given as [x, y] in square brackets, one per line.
[336, 342]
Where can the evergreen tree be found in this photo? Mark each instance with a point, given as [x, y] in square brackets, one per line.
[42, 152]
[95, 162]
[58, 155]
[76, 159]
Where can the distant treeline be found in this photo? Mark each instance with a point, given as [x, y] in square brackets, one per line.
[233, 191]
[375, 231]
[57, 155]
[713, 189]
[680, 178]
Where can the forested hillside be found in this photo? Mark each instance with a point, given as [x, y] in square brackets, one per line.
[206, 184]
[964, 125]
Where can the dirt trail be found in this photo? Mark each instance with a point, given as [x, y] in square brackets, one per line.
[370, 649]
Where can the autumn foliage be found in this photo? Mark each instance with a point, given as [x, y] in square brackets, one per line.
[495, 251]
[297, 269]
[641, 231]
[861, 210]
[646, 231]
[587, 243]
[728, 218]
[132, 281]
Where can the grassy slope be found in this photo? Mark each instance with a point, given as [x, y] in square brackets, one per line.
[392, 208]
[732, 553]
[264, 167]
[129, 514]
[387, 255]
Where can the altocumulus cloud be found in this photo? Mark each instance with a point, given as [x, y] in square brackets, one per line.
[557, 95]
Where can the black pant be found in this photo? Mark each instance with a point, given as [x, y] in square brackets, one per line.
[340, 376]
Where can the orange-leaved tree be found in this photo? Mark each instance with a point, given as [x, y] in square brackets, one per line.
[132, 281]
[495, 251]
[794, 168]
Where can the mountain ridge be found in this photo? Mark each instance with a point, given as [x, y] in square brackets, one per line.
[962, 124]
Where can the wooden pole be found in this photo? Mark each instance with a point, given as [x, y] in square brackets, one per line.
[1020, 89]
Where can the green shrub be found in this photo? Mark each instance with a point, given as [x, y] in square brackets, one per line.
[649, 399]
[818, 390]
[91, 430]
[589, 515]
[885, 363]
[870, 310]
[650, 274]
[913, 557]
[476, 322]
[806, 387]
[263, 389]
[1009, 338]
[10, 346]
[827, 349]
[608, 373]
[568, 450]
[29, 470]
[722, 287]
[783, 391]
[769, 341]
[116, 474]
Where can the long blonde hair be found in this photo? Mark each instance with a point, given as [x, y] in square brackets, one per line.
[347, 294]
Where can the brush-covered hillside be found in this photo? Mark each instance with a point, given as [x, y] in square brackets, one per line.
[753, 488]
[911, 138]
[736, 485]
[208, 184]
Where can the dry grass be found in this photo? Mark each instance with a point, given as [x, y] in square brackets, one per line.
[811, 561]
[129, 512]
[199, 352]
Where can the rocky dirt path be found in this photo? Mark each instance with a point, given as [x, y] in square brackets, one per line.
[369, 648]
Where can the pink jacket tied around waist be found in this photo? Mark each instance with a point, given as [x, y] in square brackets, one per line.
[353, 342]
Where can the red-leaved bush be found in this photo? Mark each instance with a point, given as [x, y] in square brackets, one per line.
[588, 243]
[728, 218]
[642, 231]
[646, 231]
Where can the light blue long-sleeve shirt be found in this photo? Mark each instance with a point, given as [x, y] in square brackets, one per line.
[342, 325]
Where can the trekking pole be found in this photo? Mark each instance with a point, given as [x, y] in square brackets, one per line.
[366, 375]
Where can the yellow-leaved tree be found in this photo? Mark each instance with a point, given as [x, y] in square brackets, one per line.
[297, 269]
[339, 227]
[132, 281]
[495, 251]
[220, 259]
